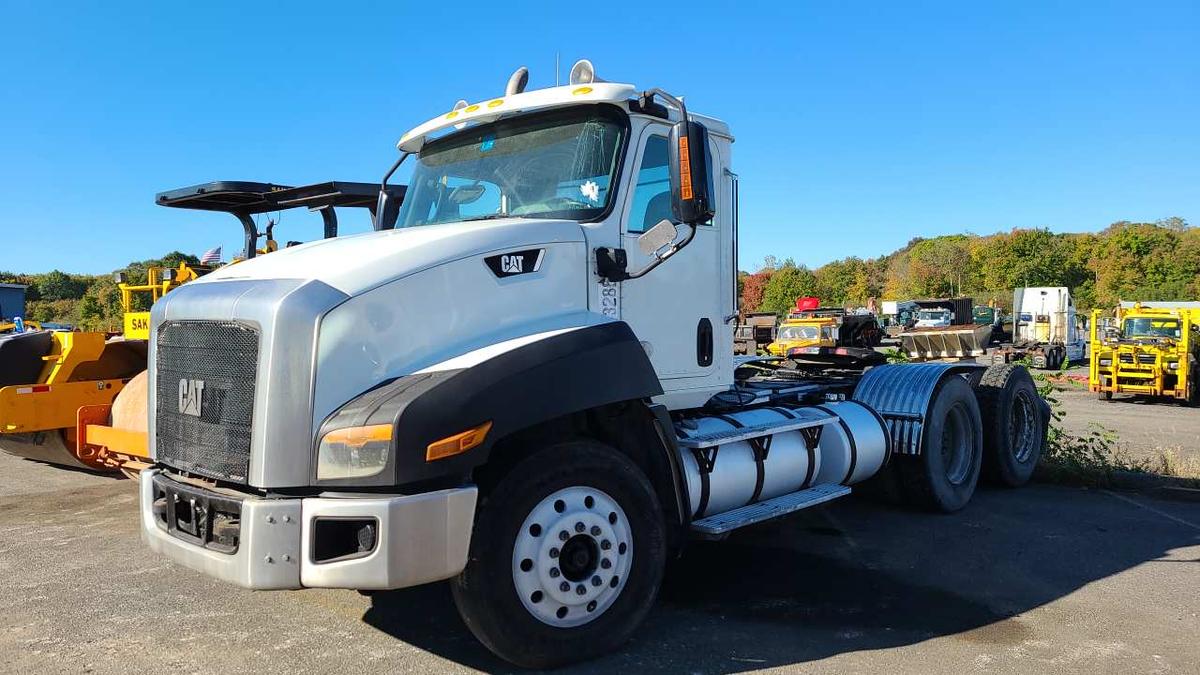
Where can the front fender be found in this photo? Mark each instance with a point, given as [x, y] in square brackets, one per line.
[565, 372]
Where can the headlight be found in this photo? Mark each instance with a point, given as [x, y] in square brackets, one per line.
[354, 452]
[1173, 365]
[1106, 362]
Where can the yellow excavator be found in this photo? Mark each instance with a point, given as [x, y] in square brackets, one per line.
[8, 327]
[80, 398]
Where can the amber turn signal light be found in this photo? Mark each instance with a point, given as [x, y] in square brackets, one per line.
[458, 443]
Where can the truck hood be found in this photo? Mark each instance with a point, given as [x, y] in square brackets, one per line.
[356, 263]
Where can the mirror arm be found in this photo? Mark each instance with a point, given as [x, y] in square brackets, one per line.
[386, 176]
[660, 259]
[376, 212]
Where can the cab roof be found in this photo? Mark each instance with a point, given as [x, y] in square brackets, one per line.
[538, 99]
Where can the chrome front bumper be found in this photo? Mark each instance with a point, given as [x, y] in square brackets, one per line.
[420, 538]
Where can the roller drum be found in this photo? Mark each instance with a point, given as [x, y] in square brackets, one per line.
[43, 446]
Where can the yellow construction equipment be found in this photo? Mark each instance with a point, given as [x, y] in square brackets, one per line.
[1150, 349]
[50, 376]
[80, 398]
[7, 326]
[158, 282]
[811, 325]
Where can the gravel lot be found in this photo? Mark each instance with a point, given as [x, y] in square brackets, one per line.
[1143, 425]
[1045, 579]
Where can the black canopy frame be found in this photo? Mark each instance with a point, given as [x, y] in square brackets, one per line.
[245, 199]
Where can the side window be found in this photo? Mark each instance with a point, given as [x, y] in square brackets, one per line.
[652, 193]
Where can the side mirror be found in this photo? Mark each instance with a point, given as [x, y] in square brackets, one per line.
[690, 166]
[387, 208]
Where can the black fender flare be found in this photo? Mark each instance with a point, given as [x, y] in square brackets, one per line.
[564, 373]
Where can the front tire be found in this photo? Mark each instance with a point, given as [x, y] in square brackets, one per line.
[567, 557]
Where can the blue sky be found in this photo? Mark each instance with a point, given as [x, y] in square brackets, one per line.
[858, 126]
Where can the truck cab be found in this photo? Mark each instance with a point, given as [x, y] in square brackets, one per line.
[523, 382]
[1148, 349]
[933, 318]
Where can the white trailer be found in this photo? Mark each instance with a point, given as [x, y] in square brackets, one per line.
[525, 384]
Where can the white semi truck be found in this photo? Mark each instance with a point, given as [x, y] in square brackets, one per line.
[1046, 329]
[525, 384]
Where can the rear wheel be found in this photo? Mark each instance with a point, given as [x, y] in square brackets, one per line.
[943, 477]
[567, 556]
[1013, 430]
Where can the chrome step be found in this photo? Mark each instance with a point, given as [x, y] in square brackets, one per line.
[805, 418]
[723, 523]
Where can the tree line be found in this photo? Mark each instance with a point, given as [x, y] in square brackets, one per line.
[88, 302]
[1125, 261]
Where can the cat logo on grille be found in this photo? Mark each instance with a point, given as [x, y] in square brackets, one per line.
[190, 393]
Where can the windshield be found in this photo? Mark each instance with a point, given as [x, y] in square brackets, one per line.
[557, 165]
[1150, 327]
[798, 333]
[931, 315]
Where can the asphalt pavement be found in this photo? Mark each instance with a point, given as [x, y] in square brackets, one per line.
[1044, 579]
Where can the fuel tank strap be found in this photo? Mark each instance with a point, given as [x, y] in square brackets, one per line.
[850, 439]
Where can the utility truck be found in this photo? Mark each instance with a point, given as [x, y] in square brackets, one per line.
[898, 316]
[810, 325]
[525, 384]
[1152, 350]
[1046, 329]
[945, 329]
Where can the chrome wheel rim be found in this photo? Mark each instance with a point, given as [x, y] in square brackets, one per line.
[572, 556]
[1022, 428]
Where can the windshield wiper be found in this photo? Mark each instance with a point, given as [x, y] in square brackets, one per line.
[490, 216]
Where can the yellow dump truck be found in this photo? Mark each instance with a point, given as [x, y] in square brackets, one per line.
[812, 326]
[1150, 349]
[79, 398]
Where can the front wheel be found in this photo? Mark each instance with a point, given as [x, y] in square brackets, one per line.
[566, 559]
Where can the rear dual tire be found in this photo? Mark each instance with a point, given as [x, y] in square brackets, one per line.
[567, 556]
[1014, 424]
[943, 477]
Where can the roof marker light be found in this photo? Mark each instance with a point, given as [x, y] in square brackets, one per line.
[583, 72]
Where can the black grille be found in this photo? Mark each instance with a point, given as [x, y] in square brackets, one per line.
[214, 362]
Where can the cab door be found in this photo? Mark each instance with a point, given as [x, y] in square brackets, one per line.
[676, 309]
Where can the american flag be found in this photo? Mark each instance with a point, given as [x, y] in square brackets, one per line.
[211, 257]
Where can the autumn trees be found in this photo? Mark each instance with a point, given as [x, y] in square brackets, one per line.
[1126, 261]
